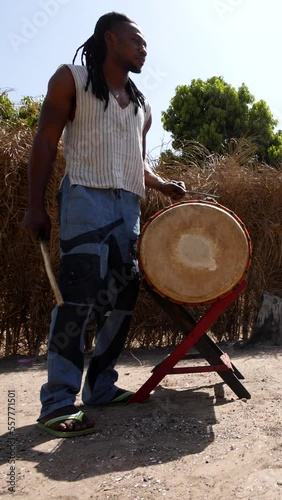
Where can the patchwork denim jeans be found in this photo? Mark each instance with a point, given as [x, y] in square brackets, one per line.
[98, 279]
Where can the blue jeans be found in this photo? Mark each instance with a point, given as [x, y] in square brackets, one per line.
[98, 279]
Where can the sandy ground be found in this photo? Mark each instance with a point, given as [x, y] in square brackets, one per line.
[191, 441]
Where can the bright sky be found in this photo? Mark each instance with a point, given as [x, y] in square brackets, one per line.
[239, 40]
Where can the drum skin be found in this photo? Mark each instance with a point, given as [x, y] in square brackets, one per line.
[194, 252]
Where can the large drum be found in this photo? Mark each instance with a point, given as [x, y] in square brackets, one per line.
[194, 252]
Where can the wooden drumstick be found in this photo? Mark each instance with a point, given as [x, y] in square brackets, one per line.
[202, 194]
[50, 274]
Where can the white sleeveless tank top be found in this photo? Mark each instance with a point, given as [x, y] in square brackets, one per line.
[103, 148]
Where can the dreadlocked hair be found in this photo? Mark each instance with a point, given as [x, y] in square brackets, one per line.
[93, 54]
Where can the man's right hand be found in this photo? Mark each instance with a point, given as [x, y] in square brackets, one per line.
[38, 223]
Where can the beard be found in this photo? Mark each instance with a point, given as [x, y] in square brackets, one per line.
[134, 68]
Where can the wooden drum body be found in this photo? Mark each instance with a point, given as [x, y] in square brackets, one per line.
[194, 252]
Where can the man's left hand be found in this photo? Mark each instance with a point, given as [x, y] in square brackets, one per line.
[174, 189]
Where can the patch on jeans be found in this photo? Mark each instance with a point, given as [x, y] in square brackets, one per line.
[80, 278]
[66, 335]
[95, 236]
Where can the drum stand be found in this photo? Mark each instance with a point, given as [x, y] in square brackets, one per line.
[195, 337]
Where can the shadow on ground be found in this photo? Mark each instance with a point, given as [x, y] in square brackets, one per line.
[172, 425]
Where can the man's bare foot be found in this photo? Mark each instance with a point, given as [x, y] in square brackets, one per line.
[68, 425]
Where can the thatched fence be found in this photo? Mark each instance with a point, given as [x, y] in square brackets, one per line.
[252, 191]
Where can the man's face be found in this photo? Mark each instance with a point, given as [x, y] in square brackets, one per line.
[129, 47]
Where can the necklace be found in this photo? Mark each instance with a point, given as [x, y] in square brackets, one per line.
[118, 93]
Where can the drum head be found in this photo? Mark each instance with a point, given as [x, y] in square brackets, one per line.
[194, 252]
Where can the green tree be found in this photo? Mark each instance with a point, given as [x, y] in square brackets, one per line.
[212, 112]
[7, 108]
[274, 152]
[26, 113]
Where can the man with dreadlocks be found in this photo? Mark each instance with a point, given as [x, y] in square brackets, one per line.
[105, 119]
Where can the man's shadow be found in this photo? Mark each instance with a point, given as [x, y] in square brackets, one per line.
[171, 425]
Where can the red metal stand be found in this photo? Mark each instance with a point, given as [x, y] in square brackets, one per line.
[195, 336]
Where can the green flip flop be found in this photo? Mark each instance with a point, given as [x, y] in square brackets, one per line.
[122, 397]
[65, 434]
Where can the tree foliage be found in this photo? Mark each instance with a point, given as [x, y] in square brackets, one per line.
[26, 113]
[213, 112]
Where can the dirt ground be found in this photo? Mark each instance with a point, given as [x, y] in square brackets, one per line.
[191, 441]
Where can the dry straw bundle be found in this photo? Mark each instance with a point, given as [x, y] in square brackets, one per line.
[251, 190]
[25, 297]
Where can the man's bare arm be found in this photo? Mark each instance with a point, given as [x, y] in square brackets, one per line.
[56, 110]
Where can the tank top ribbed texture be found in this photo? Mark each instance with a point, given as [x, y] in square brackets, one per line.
[103, 148]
